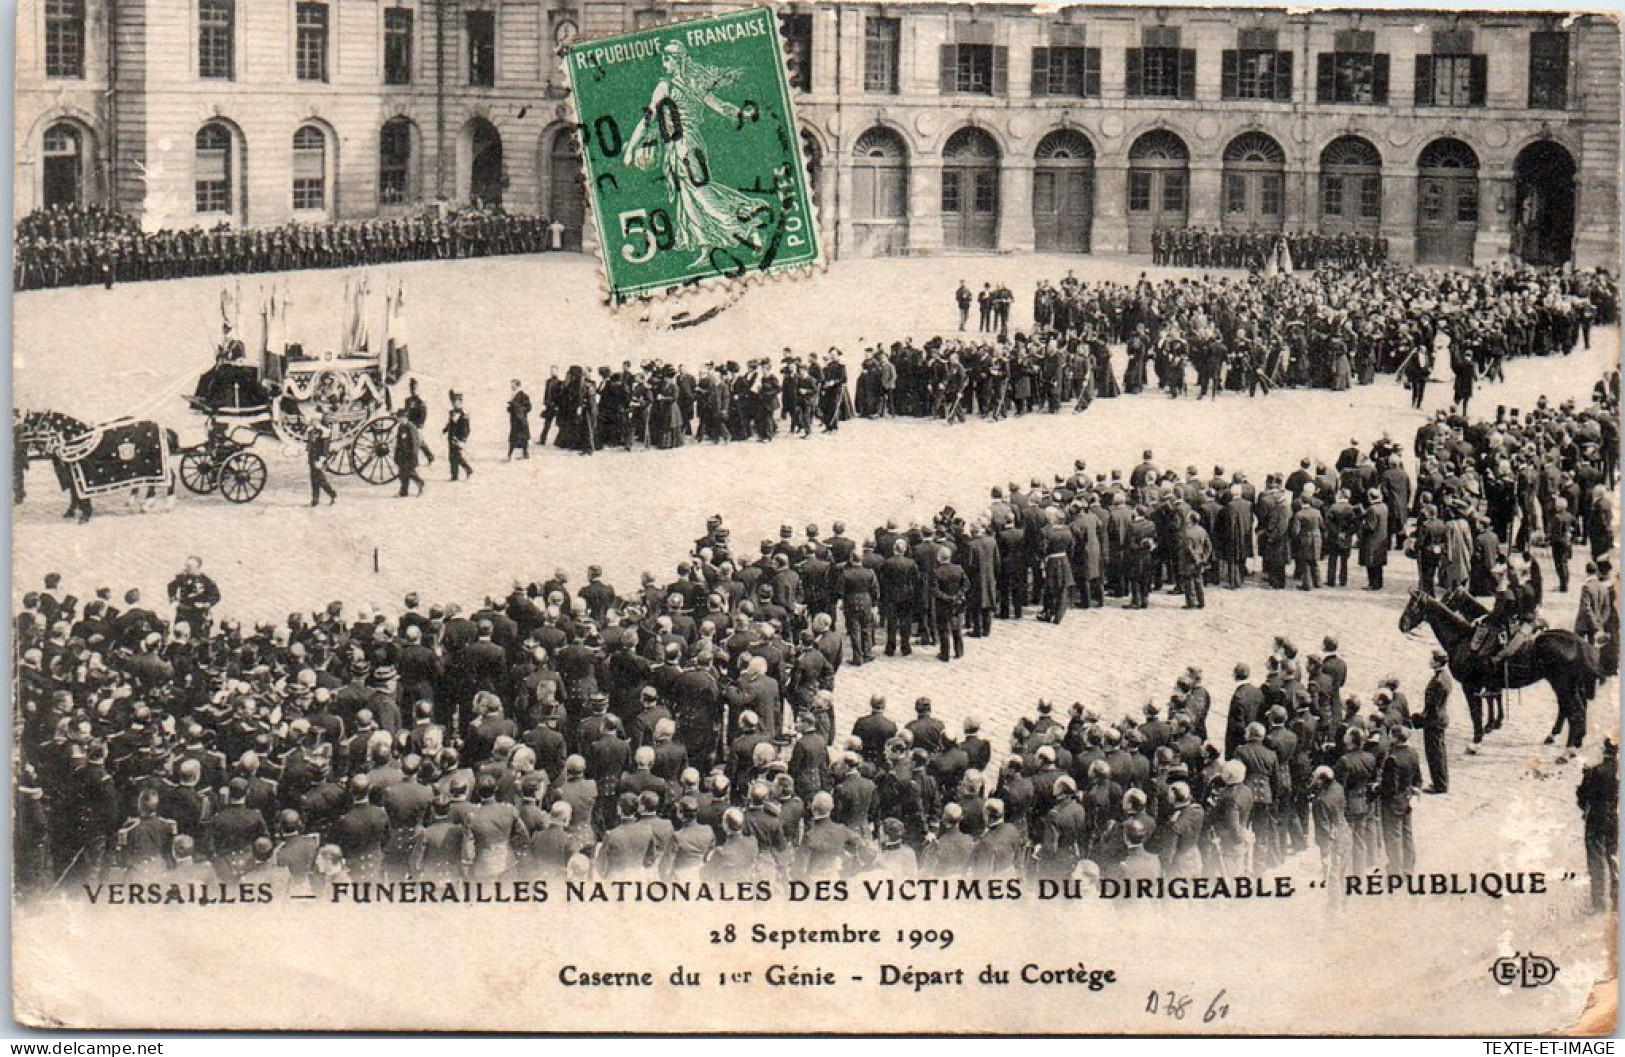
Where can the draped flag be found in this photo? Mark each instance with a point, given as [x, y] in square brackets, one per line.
[398, 359]
[117, 457]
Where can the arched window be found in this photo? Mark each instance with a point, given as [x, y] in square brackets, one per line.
[309, 168]
[395, 162]
[212, 169]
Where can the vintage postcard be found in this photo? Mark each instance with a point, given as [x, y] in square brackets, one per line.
[1153, 571]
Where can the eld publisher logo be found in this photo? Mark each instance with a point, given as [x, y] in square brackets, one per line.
[1523, 970]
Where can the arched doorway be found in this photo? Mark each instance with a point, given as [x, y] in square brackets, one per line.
[1158, 186]
[484, 162]
[1254, 178]
[65, 169]
[1063, 193]
[1446, 203]
[1543, 226]
[1350, 187]
[970, 191]
[879, 193]
[566, 195]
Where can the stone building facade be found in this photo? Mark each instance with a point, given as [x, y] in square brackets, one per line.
[1459, 137]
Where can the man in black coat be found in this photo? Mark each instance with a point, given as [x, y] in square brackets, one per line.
[949, 588]
[859, 587]
[899, 580]
[1598, 796]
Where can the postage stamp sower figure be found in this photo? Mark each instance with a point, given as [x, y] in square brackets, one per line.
[693, 159]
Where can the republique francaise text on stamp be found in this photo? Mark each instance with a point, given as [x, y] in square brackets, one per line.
[693, 163]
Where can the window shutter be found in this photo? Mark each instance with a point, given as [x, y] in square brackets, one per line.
[1230, 75]
[1481, 80]
[948, 71]
[1283, 77]
[1001, 71]
[1187, 73]
[1326, 77]
[1091, 73]
[1424, 80]
[1379, 79]
[1132, 84]
[1040, 72]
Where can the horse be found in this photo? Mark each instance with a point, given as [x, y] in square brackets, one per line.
[67, 441]
[1562, 659]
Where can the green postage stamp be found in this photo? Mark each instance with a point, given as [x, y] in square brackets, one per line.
[694, 166]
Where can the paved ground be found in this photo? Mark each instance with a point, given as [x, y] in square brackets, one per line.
[483, 322]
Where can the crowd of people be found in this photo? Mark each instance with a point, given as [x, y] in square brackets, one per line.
[1207, 248]
[686, 729]
[1250, 336]
[63, 246]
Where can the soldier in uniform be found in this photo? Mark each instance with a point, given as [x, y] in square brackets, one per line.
[457, 429]
[194, 595]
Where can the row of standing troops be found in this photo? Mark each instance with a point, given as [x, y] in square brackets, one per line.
[110, 257]
[1206, 248]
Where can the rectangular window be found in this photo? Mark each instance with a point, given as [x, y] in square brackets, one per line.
[1160, 73]
[1356, 77]
[1455, 79]
[1073, 72]
[985, 195]
[798, 41]
[973, 71]
[1269, 194]
[1160, 68]
[1467, 201]
[1265, 75]
[1548, 71]
[950, 192]
[215, 39]
[310, 43]
[65, 38]
[482, 48]
[1371, 198]
[881, 40]
[1235, 193]
[1139, 192]
[398, 46]
[213, 177]
[1173, 192]
[1331, 196]
[1432, 201]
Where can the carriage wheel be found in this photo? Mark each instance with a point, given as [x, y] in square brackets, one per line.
[197, 472]
[337, 462]
[242, 477]
[372, 453]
